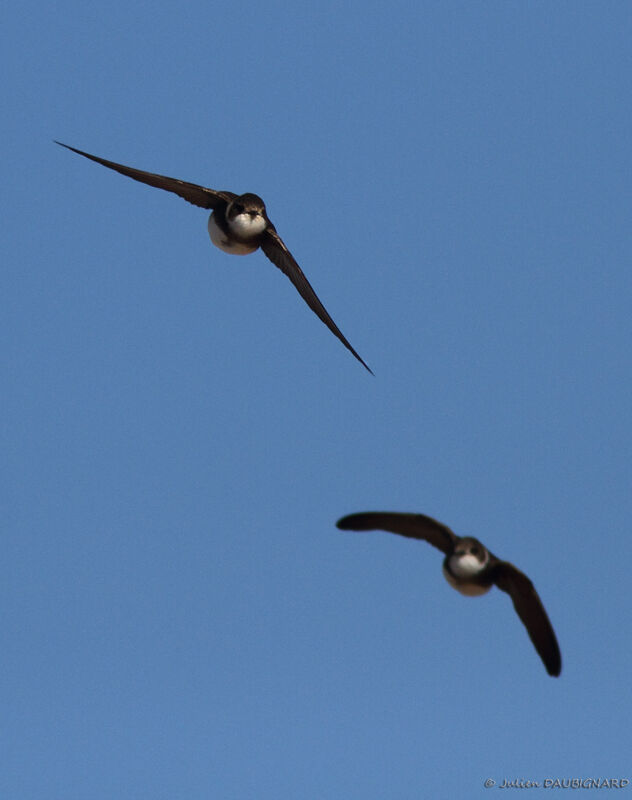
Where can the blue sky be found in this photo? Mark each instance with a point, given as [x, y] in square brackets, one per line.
[180, 616]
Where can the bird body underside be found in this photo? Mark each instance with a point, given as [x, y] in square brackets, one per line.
[465, 587]
[232, 246]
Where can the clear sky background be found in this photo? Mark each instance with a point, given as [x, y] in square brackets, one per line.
[180, 616]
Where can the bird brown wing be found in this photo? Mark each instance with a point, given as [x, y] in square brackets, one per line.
[413, 526]
[275, 249]
[191, 192]
[531, 611]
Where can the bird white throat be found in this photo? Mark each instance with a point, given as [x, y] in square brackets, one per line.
[245, 225]
[466, 565]
[463, 567]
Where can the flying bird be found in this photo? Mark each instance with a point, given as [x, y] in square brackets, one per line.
[238, 224]
[471, 569]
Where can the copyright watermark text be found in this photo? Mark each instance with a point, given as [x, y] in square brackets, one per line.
[558, 783]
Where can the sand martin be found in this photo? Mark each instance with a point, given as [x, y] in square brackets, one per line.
[238, 224]
[471, 569]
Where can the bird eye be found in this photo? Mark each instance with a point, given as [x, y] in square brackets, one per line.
[238, 208]
[474, 550]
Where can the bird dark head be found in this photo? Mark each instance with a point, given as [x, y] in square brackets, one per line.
[247, 203]
[468, 546]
